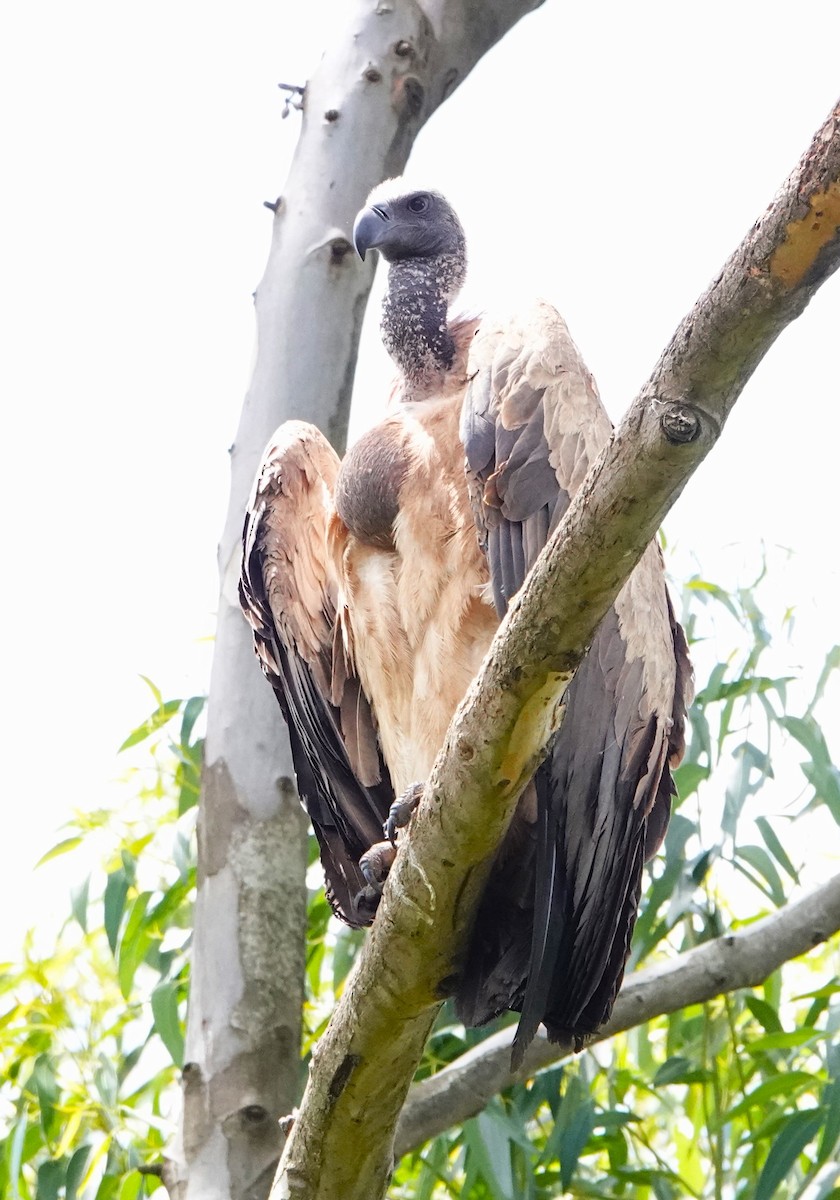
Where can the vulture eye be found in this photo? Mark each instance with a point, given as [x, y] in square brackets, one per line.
[418, 204]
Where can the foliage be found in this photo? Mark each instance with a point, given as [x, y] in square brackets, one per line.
[739, 1097]
[91, 1029]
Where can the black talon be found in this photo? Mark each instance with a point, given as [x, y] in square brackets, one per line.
[376, 863]
[374, 885]
[400, 811]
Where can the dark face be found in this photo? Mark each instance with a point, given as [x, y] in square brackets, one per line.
[414, 225]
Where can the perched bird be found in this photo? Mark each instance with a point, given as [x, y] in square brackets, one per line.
[374, 587]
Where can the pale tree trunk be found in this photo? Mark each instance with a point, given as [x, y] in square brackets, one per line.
[387, 70]
[341, 1145]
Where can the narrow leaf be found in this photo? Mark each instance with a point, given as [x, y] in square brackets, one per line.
[79, 896]
[795, 1134]
[60, 848]
[167, 1020]
[831, 664]
[831, 1128]
[764, 1013]
[788, 1084]
[776, 848]
[76, 1171]
[760, 861]
[16, 1154]
[784, 1041]
[152, 724]
[50, 1179]
[116, 890]
[192, 711]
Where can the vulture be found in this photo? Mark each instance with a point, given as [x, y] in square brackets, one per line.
[374, 586]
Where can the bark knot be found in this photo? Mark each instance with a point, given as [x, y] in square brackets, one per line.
[339, 249]
[341, 1077]
[680, 424]
[253, 1114]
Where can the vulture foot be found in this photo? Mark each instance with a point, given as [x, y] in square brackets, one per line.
[400, 811]
[376, 863]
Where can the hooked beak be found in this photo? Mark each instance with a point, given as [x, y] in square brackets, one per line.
[370, 228]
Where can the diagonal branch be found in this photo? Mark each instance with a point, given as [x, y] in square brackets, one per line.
[365, 1061]
[738, 960]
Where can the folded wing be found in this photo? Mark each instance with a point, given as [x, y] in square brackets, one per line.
[532, 425]
[291, 596]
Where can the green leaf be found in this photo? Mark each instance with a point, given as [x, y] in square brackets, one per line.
[789, 1084]
[152, 724]
[60, 848]
[134, 943]
[825, 780]
[688, 778]
[79, 897]
[16, 1154]
[747, 685]
[784, 1041]
[116, 890]
[679, 1070]
[46, 1087]
[831, 664]
[131, 1187]
[153, 689]
[831, 1127]
[776, 848]
[572, 1129]
[76, 1171]
[764, 1013]
[797, 1131]
[167, 1020]
[192, 711]
[703, 589]
[807, 732]
[105, 1078]
[760, 861]
[825, 992]
[489, 1148]
[348, 942]
[50, 1179]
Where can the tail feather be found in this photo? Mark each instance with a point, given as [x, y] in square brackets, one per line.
[553, 930]
[549, 902]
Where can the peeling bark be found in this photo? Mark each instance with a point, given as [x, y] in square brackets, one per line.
[739, 960]
[387, 70]
[394, 992]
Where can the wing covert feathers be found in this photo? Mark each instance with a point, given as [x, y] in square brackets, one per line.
[532, 425]
[289, 591]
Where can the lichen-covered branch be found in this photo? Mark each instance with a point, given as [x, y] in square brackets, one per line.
[742, 959]
[360, 1077]
[387, 69]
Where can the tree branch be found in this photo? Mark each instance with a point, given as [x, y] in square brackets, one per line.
[360, 1075]
[739, 960]
[386, 71]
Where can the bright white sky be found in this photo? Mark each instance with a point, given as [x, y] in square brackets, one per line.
[606, 156]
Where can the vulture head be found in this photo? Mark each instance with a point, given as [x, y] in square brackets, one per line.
[404, 224]
[419, 235]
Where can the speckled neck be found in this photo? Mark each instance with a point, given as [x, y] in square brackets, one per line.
[415, 328]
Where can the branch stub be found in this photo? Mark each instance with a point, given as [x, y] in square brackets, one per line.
[680, 424]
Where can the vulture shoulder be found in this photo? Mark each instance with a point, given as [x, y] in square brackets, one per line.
[290, 592]
[532, 424]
